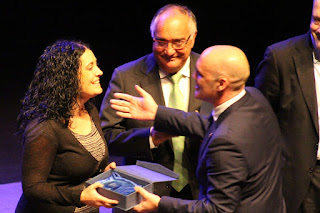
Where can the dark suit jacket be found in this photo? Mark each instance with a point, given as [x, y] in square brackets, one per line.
[129, 137]
[239, 160]
[286, 78]
[55, 167]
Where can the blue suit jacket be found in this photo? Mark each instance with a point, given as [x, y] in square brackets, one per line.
[239, 160]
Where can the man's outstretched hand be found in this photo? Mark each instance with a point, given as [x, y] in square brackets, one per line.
[140, 108]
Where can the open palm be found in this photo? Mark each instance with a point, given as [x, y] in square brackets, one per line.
[140, 108]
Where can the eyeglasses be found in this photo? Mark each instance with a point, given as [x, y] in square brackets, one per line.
[176, 44]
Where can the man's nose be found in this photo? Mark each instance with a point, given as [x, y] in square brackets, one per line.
[169, 50]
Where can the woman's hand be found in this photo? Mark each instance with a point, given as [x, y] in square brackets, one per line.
[112, 165]
[91, 197]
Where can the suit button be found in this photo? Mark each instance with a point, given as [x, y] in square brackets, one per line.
[311, 170]
[168, 186]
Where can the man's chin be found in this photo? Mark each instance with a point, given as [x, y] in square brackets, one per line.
[172, 66]
[197, 95]
[316, 41]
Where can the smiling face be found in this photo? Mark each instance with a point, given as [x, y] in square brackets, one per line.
[90, 75]
[172, 27]
[315, 24]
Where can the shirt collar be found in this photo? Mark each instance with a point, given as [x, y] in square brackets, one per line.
[185, 70]
[217, 111]
[315, 61]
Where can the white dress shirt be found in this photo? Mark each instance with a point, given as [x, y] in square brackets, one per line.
[316, 68]
[166, 84]
[184, 84]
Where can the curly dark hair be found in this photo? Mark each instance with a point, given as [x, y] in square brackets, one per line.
[55, 86]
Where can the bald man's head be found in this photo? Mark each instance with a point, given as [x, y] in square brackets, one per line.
[226, 61]
[221, 73]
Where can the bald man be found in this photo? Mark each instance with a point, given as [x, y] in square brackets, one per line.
[240, 156]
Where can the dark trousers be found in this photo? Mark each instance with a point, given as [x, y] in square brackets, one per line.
[311, 203]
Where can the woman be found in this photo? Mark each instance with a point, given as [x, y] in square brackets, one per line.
[63, 141]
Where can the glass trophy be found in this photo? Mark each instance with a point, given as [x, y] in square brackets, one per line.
[118, 184]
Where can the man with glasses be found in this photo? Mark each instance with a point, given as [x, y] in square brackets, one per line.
[173, 30]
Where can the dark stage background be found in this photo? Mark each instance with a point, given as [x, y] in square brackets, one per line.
[118, 32]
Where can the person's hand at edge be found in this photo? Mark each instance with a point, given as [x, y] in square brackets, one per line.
[149, 203]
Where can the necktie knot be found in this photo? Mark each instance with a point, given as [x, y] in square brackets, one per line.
[176, 97]
[176, 78]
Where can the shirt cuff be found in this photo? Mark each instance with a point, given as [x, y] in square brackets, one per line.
[152, 146]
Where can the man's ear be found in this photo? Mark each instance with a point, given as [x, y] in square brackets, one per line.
[223, 83]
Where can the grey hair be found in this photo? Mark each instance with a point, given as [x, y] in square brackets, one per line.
[183, 9]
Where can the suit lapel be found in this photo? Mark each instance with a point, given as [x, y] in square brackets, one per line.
[151, 81]
[212, 131]
[304, 68]
[152, 84]
[209, 133]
